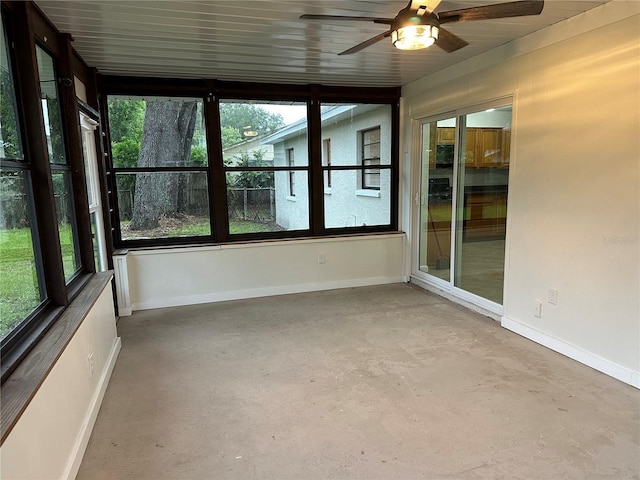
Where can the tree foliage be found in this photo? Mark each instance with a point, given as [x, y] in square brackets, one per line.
[126, 119]
[8, 122]
[252, 179]
[166, 142]
[171, 133]
[234, 117]
[230, 136]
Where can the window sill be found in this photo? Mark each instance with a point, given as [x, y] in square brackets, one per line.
[365, 192]
[24, 382]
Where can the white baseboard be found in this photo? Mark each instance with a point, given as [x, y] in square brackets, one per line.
[603, 365]
[87, 427]
[458, 298]
[263, 292]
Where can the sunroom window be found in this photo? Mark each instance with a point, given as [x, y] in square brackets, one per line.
[265, 147]
[159, 155]
[360, 169]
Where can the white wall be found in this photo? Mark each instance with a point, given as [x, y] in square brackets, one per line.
[574, 208]
[183, 276]
[346, 203]
[292, 211]
[50, 437]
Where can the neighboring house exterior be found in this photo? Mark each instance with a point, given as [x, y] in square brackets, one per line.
[249, 147]
[352, 135]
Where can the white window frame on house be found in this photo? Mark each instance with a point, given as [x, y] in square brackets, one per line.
[369, 173]
[326, 162]
[292, 178]
[88, 127]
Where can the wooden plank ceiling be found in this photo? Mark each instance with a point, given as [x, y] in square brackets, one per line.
[265, 41]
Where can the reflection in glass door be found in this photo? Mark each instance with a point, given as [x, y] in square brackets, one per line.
[481, 203]
[436, 185]
[463, 190]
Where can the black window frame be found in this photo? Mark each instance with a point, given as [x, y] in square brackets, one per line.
[215, 91]
[26, 28]
[114, 171]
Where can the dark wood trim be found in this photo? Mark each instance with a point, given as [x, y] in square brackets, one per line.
[215, 91]
[28, 334]
[302, 168]
[169, 241]
[111, 213]
[178, 87]
[104, 194]
[226, 90]
[42, 29]
[36, 150]
[23, 383]
[387, 166]
[88, 110]
[93, 98]
[395, 162]
[218, 207]
[75, 156]
[316, 178]
[359, 94]
[100, 137]
[158, 169]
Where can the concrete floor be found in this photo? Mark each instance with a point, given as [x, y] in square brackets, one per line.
[375, 382]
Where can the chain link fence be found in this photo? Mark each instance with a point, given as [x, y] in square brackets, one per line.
[252, 204]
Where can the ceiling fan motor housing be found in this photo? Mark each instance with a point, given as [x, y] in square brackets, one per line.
[411, 31]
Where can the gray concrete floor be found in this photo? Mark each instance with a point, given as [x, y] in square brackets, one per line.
[375, 382]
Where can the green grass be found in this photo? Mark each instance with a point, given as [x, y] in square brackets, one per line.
[243, 226]
[19, 293]
[235, 226]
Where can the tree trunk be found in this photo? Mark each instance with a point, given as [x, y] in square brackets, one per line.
[166, 142]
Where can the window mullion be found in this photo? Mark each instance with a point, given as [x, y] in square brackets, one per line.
[70, 116]
[395, 163]
[217, 184]
[316, 183]
[37, 153]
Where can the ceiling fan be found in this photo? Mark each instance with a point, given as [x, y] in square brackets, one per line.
[418, 26]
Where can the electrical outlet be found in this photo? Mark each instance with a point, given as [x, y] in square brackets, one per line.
[537, 312]
[553, 296]
[90, 361]
[322, 258]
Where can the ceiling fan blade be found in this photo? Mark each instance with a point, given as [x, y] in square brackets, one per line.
[449, 42]
[385, 21]
[488, 12]
[366, 43]
[424, 6]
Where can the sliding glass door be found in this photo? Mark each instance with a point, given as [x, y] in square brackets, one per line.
[463, 201]
[436, 197]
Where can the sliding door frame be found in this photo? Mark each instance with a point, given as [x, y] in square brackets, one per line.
[431, 282]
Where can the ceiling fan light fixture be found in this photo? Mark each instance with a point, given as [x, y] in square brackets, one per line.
[414, 37]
